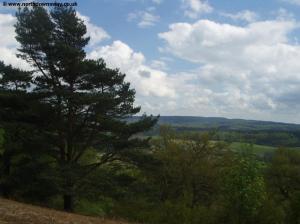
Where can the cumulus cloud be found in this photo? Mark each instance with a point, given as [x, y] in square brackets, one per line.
[96, 33]
[252, 69]
[206, 41]
[194, 8]
[7, 29]
[8, 48]
[144, 18]
[159, 64]
[147, 80]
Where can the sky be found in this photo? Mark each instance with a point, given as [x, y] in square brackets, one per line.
[212, 58]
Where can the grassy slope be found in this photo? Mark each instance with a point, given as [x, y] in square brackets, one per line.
[258, 149]
[12, 212]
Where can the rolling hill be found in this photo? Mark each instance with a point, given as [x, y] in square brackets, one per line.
[226, 124]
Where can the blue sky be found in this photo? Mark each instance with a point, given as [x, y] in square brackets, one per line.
[235, 59]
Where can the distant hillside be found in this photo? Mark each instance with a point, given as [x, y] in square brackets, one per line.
[226, 124]
[275, 134]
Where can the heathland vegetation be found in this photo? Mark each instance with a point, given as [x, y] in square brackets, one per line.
[69, 140]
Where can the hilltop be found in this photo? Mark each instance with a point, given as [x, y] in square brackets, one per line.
[226, 124]
[223, 124]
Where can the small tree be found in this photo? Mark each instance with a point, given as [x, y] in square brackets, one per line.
[243, 189]
[284, 182]
[186, 177]
[87, 103]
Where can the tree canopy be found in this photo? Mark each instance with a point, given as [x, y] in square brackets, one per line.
[80, 104]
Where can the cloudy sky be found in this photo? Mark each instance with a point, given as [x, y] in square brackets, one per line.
[235, 59]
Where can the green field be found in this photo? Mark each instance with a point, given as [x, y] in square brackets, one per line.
[257, 149]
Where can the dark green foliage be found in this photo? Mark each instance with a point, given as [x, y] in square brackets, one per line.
[15, 110]
[73, 105]
[284, 182]
[243, 189]
[179, 184]
[196, 180]
[14, 79]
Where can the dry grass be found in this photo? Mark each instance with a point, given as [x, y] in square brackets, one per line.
[12, 212]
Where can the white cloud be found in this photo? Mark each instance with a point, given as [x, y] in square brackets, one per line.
[246, 15]
[206, 41]
[7, 30]
[159, 64]
[96, 33]
[194, 8]
[146, 80]
[144, 18]
[248, 70]
[8, 48]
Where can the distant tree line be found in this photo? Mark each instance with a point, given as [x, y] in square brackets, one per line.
[273, 137]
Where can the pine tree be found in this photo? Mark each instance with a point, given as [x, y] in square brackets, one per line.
[14, 107]
[88, 104]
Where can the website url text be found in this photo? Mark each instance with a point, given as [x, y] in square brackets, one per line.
[39, 4]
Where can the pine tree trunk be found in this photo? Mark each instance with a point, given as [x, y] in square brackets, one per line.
[68, 203]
